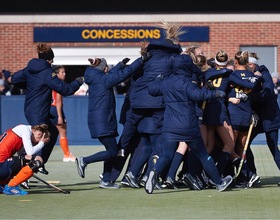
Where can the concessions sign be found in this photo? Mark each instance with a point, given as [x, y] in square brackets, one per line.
[114, 34]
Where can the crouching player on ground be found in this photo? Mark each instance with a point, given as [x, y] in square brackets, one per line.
[18, 159]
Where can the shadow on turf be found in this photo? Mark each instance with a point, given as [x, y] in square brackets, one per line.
[40, 188]
[266, 182]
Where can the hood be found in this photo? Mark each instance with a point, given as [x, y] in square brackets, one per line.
[165, 45]
[183, 65]
[37, 65]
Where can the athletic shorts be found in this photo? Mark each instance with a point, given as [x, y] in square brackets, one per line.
[10, 167]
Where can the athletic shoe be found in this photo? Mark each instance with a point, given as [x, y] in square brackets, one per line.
[211, 184]
[190, 181]
[151, 181]
[201, 184]
[1, 188]
[170, 183]
[180, 183]
[125, 183]
[108, 185]
[101, 176]
[131, 180]
[143, 181]
[254, 179]
[25, 185]
[80, 166]
[121, 153]
[14, 190]
[158, 186]
[226, 182]
[69, 158]
[164, 185]
[242, 185]
[43, 170]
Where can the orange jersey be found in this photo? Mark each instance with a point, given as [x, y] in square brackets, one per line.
[54, 95]
[10, 143]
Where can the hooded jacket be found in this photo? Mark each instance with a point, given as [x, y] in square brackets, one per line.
[180, 94]
[40, 79]
[162, 53]
[102, 120]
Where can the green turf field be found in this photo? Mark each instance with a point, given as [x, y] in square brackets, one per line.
[88, 201]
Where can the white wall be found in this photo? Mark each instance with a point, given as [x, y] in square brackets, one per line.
[80, 55]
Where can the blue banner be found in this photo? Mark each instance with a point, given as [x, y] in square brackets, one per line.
[114, 34]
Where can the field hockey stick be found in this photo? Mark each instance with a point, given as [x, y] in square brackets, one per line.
[202, 111]
[51, 185]
[253, 124]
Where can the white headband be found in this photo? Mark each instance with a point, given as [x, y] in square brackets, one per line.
[221, 63]
[253, 60]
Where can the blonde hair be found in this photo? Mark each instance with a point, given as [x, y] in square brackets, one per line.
[242, 57]
[201, 62]
[221, 56]
[172, 31]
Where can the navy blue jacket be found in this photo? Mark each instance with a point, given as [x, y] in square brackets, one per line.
[40, 80]
[102, 120]
[160, 63]
[180, 94]
[265, 104]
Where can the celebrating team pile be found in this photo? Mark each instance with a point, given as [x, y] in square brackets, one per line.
[179, 110]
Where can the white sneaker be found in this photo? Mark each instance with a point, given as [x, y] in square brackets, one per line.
[69, 158]
[226, 182]
[108, 185]
[254, 179]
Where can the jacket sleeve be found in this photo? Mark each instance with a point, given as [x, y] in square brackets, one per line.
[63, 88]
[119, 73]
[154, 87]
[18, 79]
[197, 94]
[243, 82]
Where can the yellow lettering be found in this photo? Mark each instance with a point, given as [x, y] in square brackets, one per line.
[121, 34]
[93, 34]
[85, 34]
[157, 34]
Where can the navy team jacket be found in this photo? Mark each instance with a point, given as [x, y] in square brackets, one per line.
[102, 120]
[180, 94]
[39, 78]
[162, 53]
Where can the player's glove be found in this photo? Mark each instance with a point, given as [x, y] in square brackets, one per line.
[252, 79]
[220, 94]
[125, 61]
[80, 80]
[91, 61]
[254, 119]
[242, 96]
[209, 85]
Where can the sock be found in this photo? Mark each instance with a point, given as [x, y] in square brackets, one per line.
[194, 164]
[177, 159]
[63, 141]
[24, 174]
[222, 161]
